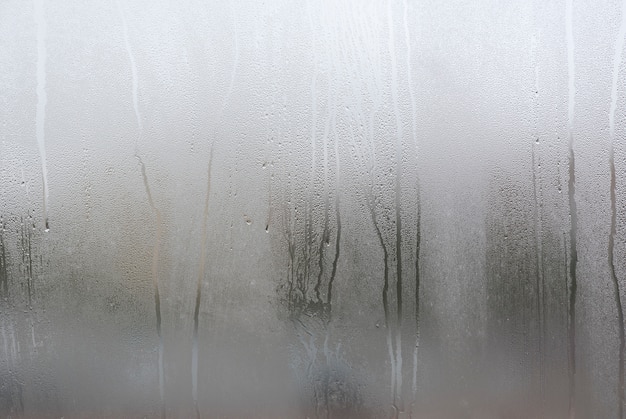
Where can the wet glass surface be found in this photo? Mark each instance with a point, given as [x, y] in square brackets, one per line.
[332, 209]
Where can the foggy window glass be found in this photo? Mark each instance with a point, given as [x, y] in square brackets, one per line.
[312, 209]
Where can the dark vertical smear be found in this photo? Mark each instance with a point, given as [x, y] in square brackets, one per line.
[618, 298]
[269, 202]
[292, 270]
[573, 257]
[322, 245]
[155, 281]
[336, 259]
[46, 223]
[338, 234]
[201, 273]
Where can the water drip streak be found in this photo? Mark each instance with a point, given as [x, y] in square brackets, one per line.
[338, 234]
[418, 243]
[4, 279]
[26, 258]
[201, 270]
[617, 60]
[155, 282]
[538, 265]
[618, 301]
[370, 203]
[233, 74]
[269, 203]
[539, 281]
[398, 193]
[328, 383]
[291, 272]
[30, 266]
[322, 245]
[309, 217]
[538, 214]
[42, 98]
[133, 68]
[418, 204]
[325, 235]
[573, 256]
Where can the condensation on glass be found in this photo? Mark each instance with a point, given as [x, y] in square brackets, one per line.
[322, 209]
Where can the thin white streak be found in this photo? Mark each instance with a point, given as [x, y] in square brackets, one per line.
[42, 98]
[133, 68]
[570, 65]
[617, 60]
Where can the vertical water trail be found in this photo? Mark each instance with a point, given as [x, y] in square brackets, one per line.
[573, 253]
[133, 68]
[4, 278]
[371, 203]
[338, 233]
[233, 74]
[308, 210]
[418, 237]
[42, 98]
[539, 279]
[369, 163]
[201, 271]
[398, 192]
[27, 260]
[327, 378]
[418, 245]
[29, 242]
[291, 272]
[325, 234]
[538, 214]
[269, 202]
[617, 60]
[155, 280]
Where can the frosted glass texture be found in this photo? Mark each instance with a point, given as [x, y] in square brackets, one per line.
[323, 209]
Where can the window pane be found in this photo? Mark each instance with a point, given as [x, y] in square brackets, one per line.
[324, 209]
